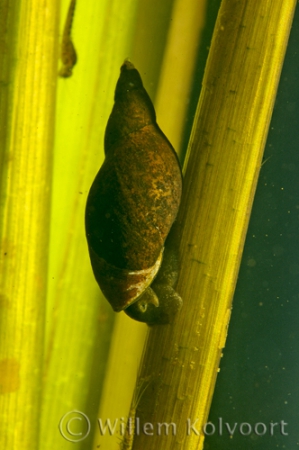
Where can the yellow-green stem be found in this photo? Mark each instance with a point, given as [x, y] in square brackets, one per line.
[79, 319]
[29, 94]
[221, 173]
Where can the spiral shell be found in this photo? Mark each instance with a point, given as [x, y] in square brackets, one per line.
[134, 198]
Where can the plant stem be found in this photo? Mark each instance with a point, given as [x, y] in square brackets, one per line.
[27, 115]
[221, 172]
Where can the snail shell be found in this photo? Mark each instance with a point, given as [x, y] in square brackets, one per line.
[134, 198]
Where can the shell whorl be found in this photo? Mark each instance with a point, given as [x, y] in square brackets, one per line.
[122, 284]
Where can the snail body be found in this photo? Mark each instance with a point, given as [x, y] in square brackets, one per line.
[133, 201]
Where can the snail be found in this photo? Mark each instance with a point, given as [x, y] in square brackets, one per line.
[68, 53]
[131, 207]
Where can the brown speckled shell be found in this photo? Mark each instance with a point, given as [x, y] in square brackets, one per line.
[134, 198]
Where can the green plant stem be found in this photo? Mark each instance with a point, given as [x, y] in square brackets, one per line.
[29, 96]
[221, 172]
